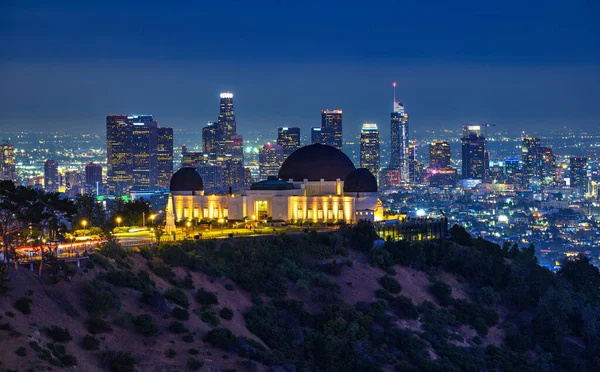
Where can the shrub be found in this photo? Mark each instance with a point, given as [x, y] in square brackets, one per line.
[177, 296]
[177, 327]
[143, 324]
[59, 334]
[517, 342]
[23, 305]
[119, 361]
[206, 298]
[442, 292]
[112, 249]
[383, 294]
[193, 352]
[404, 308]
[180, 313]
[209, 317]
[194, 364]
[90, 342]
[487, 296]
[222, 338]
[390, 284]
[229, 287]
[10, 314]
[189, 338]
[98, 325]
[98, 300]
[125, 278]
[160, 268]
[21, 351]
[226, 313]
[170, 353]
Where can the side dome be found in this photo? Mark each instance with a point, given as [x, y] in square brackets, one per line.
[361, 180]
[315, 162]
[186, 179]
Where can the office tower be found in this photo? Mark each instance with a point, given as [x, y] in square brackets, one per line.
[119, 156]
[331, 123]
[513, 172]
[399, 139]
[7, 162]
[226, 123]
[212, 177]
[442, 178]
[530, 156]
[164, 156]
[439, 155]
[184, 148]
[51, 176]
[270, 160]
[209, 140]
[474, 155]
[233, 173]
[193, 159]
[548, 166]
[578, 165]
[369, 148]
[415, 167]
[247, 176]
[144, 144]
[93, 175]
[289, 139]
[389, 178]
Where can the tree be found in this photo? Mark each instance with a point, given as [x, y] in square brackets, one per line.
[90, 210]
[459, 235]
[131, 212]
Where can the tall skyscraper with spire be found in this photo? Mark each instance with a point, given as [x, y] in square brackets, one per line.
[399, 138]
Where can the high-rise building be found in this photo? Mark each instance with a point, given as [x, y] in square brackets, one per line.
[193, 159]
[51, 176]
[270, 160]
[439, 155]
[119, 156]
[415, 167]
[331, 121]
[289, 139]
[399, 140]
[226, 123]
[320, 135]
[369, 148]
[93, 175]
[144, 144]
[531, 159]
[164, 156]
[212, 177]
[133, 152]
[7, 162]
[548, 166]
[578, 165]
[209, 140]
[474, 156]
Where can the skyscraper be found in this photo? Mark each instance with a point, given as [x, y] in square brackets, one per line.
[369, 148]
[548, 166]
[119, 156]
[7, 162]
[331, 121]
[51, 176]
[530, 156]
[209, 140]
[439, 155]
[399, 139]
[270, 160]
[289, 139]
[143, 148]
[474, 156]
[578, 165]
[164, 156]
[93, 174]
[226, 123]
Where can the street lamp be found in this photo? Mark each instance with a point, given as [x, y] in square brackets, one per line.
[152, 217]
[84, 224]
[188, 224]
[119, 219]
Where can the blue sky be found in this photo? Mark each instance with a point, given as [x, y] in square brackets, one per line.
[521, 64]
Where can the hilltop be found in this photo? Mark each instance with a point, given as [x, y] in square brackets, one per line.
[330, 302]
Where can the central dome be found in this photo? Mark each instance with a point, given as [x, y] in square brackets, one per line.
[315, 162]
[186, 179]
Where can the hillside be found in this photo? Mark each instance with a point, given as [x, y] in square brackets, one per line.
[304, 302]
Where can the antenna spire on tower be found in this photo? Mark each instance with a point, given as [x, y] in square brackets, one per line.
[394, 85]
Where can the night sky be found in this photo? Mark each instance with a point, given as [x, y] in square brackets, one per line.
[520, 64]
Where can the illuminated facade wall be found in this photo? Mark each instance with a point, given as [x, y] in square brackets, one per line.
[369, 148]
[413, 229]
[270, 160]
